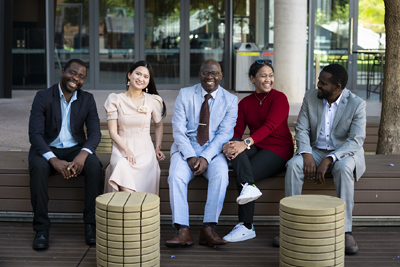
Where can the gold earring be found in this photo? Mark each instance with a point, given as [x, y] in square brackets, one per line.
[147, 90]
[129, 82]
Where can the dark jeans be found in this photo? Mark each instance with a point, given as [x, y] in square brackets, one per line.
[39, 171]
[251, 166]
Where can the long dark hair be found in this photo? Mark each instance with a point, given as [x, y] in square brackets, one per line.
[151, 86]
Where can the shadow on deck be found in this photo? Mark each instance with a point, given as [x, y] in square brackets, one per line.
[379, 246]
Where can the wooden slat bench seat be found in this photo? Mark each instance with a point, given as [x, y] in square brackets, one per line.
[370, 142]
[377, 194]
[66, 196]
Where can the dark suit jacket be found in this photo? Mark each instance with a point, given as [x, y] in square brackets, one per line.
[45, 120]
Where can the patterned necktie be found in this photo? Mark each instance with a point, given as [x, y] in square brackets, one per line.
[202, 130]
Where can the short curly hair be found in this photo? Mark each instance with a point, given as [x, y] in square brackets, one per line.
[339, 74]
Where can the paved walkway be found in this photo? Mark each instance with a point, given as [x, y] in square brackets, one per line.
[14, 114]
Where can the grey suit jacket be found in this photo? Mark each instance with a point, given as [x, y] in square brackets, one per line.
[348, 129]
[185, 121]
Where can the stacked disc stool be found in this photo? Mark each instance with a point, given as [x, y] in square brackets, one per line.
[311, 231]
[128, 229]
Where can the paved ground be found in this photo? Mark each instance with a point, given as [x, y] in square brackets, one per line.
[14, 114]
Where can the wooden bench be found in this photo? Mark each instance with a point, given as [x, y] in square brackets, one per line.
[377, 194]
[66, 196]
[370, 143]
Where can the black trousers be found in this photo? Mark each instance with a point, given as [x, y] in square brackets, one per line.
[251, 166]
[39, 171]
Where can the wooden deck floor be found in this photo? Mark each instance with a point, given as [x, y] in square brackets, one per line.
[379, 246]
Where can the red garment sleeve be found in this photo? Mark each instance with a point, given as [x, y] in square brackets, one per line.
[277, 114]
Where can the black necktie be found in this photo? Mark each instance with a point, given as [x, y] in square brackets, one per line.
[202, 130]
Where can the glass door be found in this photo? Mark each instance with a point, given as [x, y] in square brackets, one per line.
[370, 50]
[332, 36]
[116, 40]
[28, 45]
[206, 36]
[163, 39]
[71, 35]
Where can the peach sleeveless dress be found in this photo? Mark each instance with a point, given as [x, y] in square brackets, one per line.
[134, 129]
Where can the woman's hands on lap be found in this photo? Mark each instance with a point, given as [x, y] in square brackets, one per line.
[233, 148]
[160, 155]
[130, 157]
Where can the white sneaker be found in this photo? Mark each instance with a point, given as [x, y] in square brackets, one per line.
[248, 194]
[240, 233]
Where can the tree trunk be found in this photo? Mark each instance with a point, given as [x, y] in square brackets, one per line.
[389, 129]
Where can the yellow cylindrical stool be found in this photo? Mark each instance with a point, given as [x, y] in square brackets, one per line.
[311, 231]
[128, 229]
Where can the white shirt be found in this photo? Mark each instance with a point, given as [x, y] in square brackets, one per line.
[324, 140]
[212, 98]
[64, 138]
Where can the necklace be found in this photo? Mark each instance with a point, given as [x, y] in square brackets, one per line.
[259, 99]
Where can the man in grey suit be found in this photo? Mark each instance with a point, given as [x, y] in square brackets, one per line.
[330, 133]
[197, 149]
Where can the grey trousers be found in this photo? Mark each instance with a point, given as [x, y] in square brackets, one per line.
[343, 177]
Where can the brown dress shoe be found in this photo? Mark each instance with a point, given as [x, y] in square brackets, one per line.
[210, 238]
[350, 245]
[181, 238]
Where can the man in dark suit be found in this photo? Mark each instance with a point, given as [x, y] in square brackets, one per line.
[59, 144]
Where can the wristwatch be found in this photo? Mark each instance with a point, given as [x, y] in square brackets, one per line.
[247, 142]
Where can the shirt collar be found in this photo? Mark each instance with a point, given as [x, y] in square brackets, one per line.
[213, 94]
[73, 98]
[337, 100]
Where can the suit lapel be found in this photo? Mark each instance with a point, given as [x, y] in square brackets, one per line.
[320, 113]
[341, 108]
[75, 110]
[217, 108]
[197, 101]
[57, 107]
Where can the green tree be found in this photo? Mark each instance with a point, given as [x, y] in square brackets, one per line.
[371, 14]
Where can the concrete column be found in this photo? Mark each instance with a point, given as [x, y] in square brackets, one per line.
[290, 48]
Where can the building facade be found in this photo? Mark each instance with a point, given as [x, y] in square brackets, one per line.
[175, 36]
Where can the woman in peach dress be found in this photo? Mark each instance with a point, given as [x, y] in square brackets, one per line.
[133, 164]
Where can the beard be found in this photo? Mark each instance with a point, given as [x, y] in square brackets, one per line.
[324, 94]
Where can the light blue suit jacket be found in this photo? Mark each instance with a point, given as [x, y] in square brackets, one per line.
[348, 129]
[185, 121]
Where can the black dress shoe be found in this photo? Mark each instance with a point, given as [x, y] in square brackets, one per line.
[276, 242]
[350, 245]
[90, 234]
[41, 240]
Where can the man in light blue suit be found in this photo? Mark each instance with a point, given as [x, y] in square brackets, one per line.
[190, 156]
[330, 134]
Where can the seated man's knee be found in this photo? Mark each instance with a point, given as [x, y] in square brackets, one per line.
[344, 167]
[295, 163]
[39, 167]
[92, 163]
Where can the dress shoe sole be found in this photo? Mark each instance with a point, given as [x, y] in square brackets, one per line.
[351, 251]
[276, 244]
[90, 242]
[178, 245]
[41, 246]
